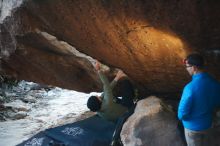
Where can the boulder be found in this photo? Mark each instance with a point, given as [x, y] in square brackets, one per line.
[52, 41]
[152, 124]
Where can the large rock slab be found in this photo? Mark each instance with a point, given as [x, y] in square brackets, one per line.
[152, 124]
[147, 39]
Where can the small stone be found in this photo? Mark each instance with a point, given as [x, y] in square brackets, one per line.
[1, 99]
[29, 98]
[17, 116]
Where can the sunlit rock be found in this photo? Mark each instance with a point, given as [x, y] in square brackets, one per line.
[40, 41]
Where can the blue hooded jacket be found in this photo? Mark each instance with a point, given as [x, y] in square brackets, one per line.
[199, 99]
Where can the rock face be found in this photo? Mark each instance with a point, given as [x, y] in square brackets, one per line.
[147, 39]
[152, 124]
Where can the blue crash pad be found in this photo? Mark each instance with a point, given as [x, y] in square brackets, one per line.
[93, 131]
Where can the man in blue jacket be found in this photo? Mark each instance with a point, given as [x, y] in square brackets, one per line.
[200, 98]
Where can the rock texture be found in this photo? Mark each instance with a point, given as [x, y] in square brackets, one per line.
[152, 124]
[147, 39]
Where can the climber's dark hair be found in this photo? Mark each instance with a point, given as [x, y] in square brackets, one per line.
[94, 104]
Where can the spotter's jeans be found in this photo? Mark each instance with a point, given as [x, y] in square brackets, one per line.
[197, 138]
